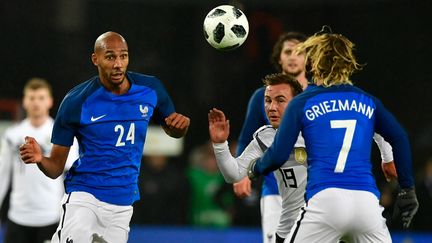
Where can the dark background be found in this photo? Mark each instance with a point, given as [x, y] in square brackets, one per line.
[54, 39]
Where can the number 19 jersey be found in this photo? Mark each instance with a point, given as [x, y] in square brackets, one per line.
[111, 131]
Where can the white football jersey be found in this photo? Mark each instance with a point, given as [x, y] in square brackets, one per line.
[291, 176]
[35, 198]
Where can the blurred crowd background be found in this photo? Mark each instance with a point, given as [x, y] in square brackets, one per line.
[54, 39]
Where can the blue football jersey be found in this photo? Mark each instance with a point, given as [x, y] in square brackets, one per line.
[338, 124]
[111, 130]
[256, 118]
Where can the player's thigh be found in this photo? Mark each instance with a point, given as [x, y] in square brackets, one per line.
[271, 209]
[79, 221]
[314, 221]
[117, 222]
[308, 229]
[79, 224]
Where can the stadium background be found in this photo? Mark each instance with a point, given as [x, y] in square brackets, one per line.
[53, 39]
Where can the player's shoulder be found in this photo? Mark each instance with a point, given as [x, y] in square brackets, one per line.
[257, 98]
[356, 89]
[13, 129]
[357, 93]
[143, 79]
[361, 91]
[17, 130]
[81, 91]
[259, 91]
[265, 131]
[315, 90]
[264, 136]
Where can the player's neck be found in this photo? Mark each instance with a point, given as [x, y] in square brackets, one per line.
[37, 121]
[301, 78]
[117, 89]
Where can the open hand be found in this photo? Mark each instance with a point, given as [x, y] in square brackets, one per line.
[218, 126]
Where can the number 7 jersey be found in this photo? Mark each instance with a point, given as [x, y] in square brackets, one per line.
[337, 124]
[111, 131]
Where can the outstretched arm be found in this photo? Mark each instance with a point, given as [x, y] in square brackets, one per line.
[255, 118]
[219, 132]
[232, 169]
[176, 125]
[52, 166]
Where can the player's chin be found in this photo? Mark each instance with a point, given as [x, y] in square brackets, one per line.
[293, 71]
[117, 78]
[274, 122]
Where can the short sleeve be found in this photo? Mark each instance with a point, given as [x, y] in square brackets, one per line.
[164, 106]
[64, 128]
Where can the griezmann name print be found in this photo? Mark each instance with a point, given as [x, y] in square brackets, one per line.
[337, 105]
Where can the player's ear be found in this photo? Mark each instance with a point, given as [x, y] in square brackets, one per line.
[94, 59]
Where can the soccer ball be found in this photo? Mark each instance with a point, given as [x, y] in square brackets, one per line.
[226, 27]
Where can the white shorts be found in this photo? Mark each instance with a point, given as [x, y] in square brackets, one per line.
[86, 219]
[271, 209]
[334, 212]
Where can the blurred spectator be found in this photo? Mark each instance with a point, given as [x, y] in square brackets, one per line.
[423, 218]
[34, 203]
[164, 193]
[210, 203]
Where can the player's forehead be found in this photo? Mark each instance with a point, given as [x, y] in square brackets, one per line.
[278, 90]
[42, 91]
[290, 44]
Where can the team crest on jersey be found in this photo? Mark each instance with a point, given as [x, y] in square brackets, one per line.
[300, 155]
[143, 110]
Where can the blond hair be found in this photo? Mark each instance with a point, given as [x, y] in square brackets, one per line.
[37, 83]
[330, 58]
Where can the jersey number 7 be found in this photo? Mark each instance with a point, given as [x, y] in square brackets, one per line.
[350, 126]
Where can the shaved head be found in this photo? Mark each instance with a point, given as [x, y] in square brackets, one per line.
[111, 57]
[101, 41]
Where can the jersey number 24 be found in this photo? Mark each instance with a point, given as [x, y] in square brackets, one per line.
[130, 136]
